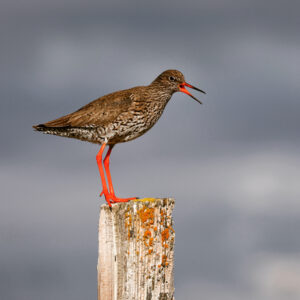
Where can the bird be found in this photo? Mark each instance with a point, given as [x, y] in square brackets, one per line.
[119, 117]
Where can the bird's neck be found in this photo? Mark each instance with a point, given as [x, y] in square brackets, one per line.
[159, 92]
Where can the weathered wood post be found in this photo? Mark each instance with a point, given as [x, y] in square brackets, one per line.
[136, 250]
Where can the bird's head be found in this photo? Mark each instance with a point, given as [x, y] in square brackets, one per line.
[174, 81]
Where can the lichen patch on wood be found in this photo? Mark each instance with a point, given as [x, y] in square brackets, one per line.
[136, 250]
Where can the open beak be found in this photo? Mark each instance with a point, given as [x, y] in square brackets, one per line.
[184, 90]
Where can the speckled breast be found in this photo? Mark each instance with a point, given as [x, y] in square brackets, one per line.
[136, 122]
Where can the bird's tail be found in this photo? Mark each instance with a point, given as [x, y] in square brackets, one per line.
[57, 126]
[60, 131]
[82, 134]
[40, 127]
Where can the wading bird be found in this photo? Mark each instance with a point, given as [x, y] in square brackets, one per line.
[117, 118]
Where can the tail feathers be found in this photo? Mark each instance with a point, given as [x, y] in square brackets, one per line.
[83, 134]
[44, 127]
[40, 127]
[49, 129]
[58, 124]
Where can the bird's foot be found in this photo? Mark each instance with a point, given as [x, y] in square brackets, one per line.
[116, 199]
[111, 198]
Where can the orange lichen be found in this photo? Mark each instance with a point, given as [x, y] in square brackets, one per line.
[152, 230]
[151, 241]
[146, 215]
[164, 260]
[147, 238]
[165, 235]
[162, 217]
[147, 234]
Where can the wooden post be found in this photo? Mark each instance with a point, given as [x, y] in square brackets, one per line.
[136, 250]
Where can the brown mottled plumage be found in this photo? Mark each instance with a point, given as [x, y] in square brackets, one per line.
[119, 117]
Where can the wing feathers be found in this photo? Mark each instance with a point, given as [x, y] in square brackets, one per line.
[99, 112]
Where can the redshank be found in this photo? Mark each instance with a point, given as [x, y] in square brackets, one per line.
[117, 118]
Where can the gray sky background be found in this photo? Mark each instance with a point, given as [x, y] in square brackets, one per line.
[232, 164]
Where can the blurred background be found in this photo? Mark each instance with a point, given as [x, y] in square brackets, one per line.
[232, 164]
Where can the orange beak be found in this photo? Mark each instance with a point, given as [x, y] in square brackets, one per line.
[184, 90]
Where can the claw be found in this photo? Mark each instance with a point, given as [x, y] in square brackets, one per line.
[111, 198]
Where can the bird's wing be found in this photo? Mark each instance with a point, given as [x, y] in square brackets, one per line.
[99, 112]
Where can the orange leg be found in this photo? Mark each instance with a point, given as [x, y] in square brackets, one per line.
[110, 185]
[102, 174]
[106, 166]
[110, 196]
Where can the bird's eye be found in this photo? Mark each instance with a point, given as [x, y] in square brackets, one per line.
[172, 78]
